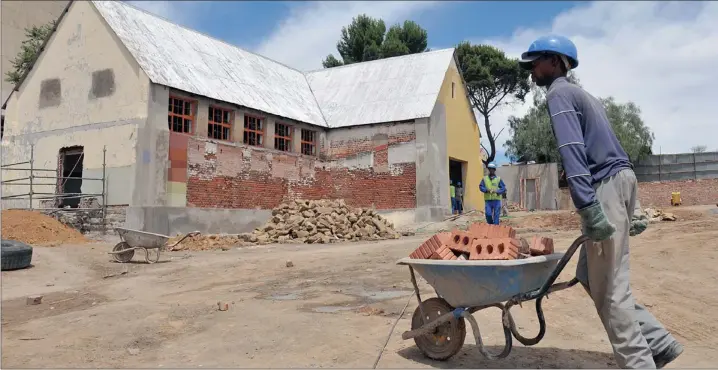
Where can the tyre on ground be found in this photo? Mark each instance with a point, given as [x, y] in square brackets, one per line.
[15, 255]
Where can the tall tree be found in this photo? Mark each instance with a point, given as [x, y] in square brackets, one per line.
[492, 80]
[34, 38]
[532, 138]
[367, 39]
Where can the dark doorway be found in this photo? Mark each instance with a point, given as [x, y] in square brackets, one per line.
[457, 174]
[70, 181]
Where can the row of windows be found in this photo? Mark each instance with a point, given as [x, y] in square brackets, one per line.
[181, 115]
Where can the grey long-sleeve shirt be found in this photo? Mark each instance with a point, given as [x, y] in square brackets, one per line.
[589, 149]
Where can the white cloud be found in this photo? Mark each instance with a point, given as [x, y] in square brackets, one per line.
[311, 31]
[659, 55]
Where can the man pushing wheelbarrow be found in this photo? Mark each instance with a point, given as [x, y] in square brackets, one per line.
[604, 190]
[493, 268]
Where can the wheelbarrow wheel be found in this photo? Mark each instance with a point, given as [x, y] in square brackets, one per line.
[448, 338]
[123, 257]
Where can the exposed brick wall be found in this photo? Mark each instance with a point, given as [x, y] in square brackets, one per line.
[237, 176]
[337, 149]
[658, 194]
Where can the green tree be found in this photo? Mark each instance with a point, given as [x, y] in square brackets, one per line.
[34, 39]
[492, 80]
[532, 138]
[367, 39]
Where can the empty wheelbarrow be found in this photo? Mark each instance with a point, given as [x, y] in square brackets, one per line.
[464, 287]
[134, 239]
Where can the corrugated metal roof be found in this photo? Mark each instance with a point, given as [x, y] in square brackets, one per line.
[180, 58]
[385, 90]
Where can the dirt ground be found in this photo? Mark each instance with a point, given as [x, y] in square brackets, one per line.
[333, 308]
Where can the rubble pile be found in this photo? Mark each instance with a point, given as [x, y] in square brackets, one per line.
[482, 242]
[321, 221]
[656, 215]
[514, 207]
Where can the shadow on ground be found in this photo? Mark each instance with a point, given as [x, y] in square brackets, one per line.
[520, 357]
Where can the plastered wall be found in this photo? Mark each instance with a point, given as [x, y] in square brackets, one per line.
[85, 90]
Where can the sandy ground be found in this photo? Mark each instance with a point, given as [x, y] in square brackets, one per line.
[326, 311]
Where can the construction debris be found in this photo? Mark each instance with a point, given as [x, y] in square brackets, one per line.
[302, 221]
[656, 215]
[321, 221]
[482, 242]
[33, 300]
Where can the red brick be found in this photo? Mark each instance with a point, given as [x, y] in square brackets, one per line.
[443, 253]
[495, 249]
[484, 230]
[427, 248]
[460, 241]
[540, 246]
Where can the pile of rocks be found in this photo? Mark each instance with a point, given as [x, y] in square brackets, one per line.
[321, 221]
[656, 215]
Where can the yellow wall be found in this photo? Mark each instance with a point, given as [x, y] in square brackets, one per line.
[463, 136]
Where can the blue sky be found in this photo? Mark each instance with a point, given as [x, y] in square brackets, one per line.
[616, 41]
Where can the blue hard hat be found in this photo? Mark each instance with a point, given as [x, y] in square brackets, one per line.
[491, 165]
[459, 183]
[553, 44]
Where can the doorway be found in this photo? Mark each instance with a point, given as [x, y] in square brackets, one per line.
[70, 179]
[530, 196]
[457, 174]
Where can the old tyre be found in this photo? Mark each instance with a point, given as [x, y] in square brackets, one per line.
[15, 255]
[123, 257]
[448, 338]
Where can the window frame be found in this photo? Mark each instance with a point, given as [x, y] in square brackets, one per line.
[262, 133]
[221, 125]
[192, 117]
[313, 143]
[288, 139]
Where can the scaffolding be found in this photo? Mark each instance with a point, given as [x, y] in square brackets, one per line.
[44, 175]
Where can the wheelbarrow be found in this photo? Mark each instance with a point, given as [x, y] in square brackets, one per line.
[133, 240]
[464, 287]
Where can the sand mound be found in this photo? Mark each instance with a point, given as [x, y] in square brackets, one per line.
[35, 228]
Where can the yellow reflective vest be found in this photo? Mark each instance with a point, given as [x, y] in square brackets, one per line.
[492, 184]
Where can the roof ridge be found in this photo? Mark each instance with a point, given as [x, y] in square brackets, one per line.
[380, 60]
[124, 3]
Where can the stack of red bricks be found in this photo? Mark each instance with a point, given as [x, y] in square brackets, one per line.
[482, 242]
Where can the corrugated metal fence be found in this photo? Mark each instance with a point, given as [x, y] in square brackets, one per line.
[671, 167]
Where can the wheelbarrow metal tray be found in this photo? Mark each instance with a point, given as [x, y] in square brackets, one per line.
[136, 238]
[477, 283]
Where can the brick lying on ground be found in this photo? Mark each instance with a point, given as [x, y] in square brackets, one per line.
[482, 242]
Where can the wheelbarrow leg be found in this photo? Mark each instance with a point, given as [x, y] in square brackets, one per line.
[508, 344]
[418, 296]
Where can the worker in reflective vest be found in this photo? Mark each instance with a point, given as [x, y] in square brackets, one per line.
[492, 186]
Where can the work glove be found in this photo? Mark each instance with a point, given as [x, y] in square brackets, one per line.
[639, 224]
[595, 223]
[639, 220]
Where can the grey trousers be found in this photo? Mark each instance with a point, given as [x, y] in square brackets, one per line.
[603, 270]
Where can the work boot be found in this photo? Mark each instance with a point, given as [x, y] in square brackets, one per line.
[668, 355]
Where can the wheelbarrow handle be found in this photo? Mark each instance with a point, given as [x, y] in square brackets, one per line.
[549, 284]
[540, 293]
[190, 234]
